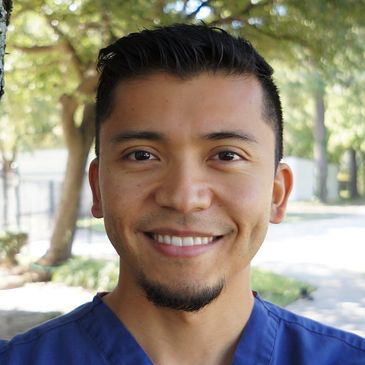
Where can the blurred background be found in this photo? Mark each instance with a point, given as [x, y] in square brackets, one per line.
[317, 49]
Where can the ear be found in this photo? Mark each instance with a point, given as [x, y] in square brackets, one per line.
[283, 184]
[96, 208]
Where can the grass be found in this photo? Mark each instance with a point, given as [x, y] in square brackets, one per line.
[102, 275]
[277, 288]
[94, 224]
[299, 217]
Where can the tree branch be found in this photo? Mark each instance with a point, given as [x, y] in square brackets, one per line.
[39, 49]
[69, 107]
[279, 37]
[185, 5]
[250, 6]
[196, 11]
[88, 83]
[87, 127]
[69, 48]
[108, 31]
[243, 13]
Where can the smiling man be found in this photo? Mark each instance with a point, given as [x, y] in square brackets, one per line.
[187, 178]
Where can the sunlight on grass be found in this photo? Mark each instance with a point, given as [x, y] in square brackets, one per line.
[278, 289]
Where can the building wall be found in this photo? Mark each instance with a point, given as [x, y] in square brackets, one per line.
[304, 179]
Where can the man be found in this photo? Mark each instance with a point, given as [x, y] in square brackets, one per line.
[187, 177]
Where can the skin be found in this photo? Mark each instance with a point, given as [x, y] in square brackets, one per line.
[193, 181]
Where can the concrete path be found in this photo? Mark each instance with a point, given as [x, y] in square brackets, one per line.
[327, 250]
[328, 253]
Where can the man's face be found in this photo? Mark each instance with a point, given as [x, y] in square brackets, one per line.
[186, 179]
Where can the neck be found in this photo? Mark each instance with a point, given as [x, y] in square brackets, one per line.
[208, 336]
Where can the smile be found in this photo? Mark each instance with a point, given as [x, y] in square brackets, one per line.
[183, 241]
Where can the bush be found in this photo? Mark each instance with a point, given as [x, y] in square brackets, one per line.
[10, 245]
[101, 275]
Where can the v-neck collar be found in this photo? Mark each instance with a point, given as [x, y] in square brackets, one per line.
[119, 347]
[257, 341]
[112, 338]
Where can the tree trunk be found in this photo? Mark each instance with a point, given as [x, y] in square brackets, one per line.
[354, 193]
[320, 146]
[5, 9]
[5, 174]
[78, 141]
[7, 163]
[363, 173]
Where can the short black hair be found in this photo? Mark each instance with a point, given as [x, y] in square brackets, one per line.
[184, 50]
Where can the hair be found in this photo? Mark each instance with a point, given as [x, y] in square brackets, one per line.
[185, 51]
[186, 299]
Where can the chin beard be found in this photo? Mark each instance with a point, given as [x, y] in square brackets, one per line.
[183, 298]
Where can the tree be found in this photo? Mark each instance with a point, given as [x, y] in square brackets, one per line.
[75, 52]
[346, 120]
[34, 124]
[320, 140]
[5, 9]
[69, 33]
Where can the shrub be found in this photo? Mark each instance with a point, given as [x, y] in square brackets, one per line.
[10, 245]
[101, 275]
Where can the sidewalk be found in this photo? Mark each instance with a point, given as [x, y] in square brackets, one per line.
[328, 253]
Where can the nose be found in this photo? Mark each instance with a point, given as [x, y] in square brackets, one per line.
[184, 188]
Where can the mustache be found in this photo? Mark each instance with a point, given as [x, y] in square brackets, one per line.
[192, 220]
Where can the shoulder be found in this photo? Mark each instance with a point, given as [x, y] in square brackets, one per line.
[313, 338]
[51, 338]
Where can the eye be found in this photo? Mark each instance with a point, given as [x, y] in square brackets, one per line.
[227, 156]
[140, 155]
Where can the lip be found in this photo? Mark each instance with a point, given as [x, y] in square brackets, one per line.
[182, 251]
[181, 233]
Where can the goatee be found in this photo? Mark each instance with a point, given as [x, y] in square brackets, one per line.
[183, 298]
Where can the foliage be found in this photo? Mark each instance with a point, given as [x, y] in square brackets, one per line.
[94, 274]
[55, 44]
[346, 114]
[102, 275]
[58, 42]
[11, 244]
[297, 111]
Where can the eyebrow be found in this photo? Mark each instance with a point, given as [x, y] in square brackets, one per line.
[238, 135]
[156, 136]
[131, 135]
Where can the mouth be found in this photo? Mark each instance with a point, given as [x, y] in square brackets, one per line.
[182, 241]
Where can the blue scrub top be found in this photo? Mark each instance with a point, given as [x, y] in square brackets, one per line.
[93, 335]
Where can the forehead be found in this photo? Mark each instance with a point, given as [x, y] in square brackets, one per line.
[197, 105]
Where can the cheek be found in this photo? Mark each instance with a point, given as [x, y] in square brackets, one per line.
[249, 201]
[247, 196]
[119, 192]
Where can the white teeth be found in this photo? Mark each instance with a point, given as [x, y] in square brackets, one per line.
[175, 241]
[188, 241]
[182, 241]
[198, 240]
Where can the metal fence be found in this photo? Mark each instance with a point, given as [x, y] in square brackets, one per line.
[29, 204]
